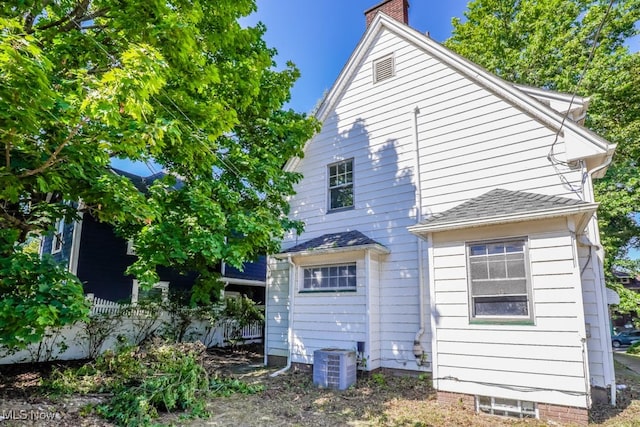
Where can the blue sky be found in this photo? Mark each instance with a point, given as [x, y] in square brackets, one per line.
[319, 36]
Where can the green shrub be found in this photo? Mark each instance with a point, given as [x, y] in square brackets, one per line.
[36, 295]
[634, 349]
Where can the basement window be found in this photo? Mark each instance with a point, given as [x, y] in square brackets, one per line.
[383, 69]
[506, 407]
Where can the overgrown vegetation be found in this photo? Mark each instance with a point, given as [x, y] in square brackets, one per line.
[634, 349]
[181, 84]
[36, 296]
[147, 380]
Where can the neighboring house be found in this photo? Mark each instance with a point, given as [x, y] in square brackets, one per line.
[629, 281]
[92, 251]
[622, 321]
[449, 228]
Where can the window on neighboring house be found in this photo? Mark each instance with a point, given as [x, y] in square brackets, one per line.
[383, 68]
[341, 185]
[58, 236]
[329, 278]
[499, 287]
[158, 293]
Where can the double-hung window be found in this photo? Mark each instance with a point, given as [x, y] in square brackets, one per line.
[340, 277]
[499, 287]
[341, 185]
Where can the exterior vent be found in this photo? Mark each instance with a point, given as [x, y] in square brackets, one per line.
[383, 69]
[333, 368]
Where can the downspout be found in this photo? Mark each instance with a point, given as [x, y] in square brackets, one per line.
[418, 351]
[292, 277]
[597, 251]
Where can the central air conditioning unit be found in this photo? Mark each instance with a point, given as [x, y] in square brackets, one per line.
[334, 368]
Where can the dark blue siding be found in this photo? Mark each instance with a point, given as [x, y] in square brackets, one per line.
[64, 255]
[256, 270]
[103, 261]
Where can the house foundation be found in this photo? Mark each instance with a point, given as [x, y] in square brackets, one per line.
[546, 412]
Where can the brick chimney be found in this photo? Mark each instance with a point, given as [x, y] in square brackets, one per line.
[397, 9]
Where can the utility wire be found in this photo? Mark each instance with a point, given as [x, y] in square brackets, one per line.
[551, 156]
[196, 136]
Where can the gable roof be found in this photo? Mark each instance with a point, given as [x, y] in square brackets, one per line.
[336, 242]
[504, 206]
[519, 96]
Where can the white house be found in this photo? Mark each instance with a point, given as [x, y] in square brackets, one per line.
[449, 228]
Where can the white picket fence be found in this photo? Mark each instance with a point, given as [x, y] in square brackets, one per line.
[103, 306]
[72, 342]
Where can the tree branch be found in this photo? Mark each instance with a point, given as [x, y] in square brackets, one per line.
[53, 159]
[17, 223]
[31, 16]
[73, 19]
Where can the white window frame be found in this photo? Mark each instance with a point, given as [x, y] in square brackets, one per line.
[349, 184]
[499, 318]
[58, 237]
[375, 63]
[131, 249]
[331, 277]
[164, 286]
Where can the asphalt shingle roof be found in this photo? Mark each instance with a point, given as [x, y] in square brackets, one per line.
[344, 239]
[498, 203]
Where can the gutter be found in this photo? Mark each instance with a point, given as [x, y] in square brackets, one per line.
[375, 248]
[292, 276]
[549, 213]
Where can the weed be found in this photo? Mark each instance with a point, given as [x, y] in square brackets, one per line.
[378, 379]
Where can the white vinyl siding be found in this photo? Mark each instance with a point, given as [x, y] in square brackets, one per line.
[277, 308]
[540, 362]
[329, 320]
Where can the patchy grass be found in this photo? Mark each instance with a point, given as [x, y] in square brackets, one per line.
[292, 400]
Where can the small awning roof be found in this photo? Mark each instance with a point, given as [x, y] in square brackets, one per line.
[346, 241]
[504, 206]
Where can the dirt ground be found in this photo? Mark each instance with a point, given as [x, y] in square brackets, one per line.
[287, 400]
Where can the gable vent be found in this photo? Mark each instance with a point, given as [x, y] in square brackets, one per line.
[383, 69]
